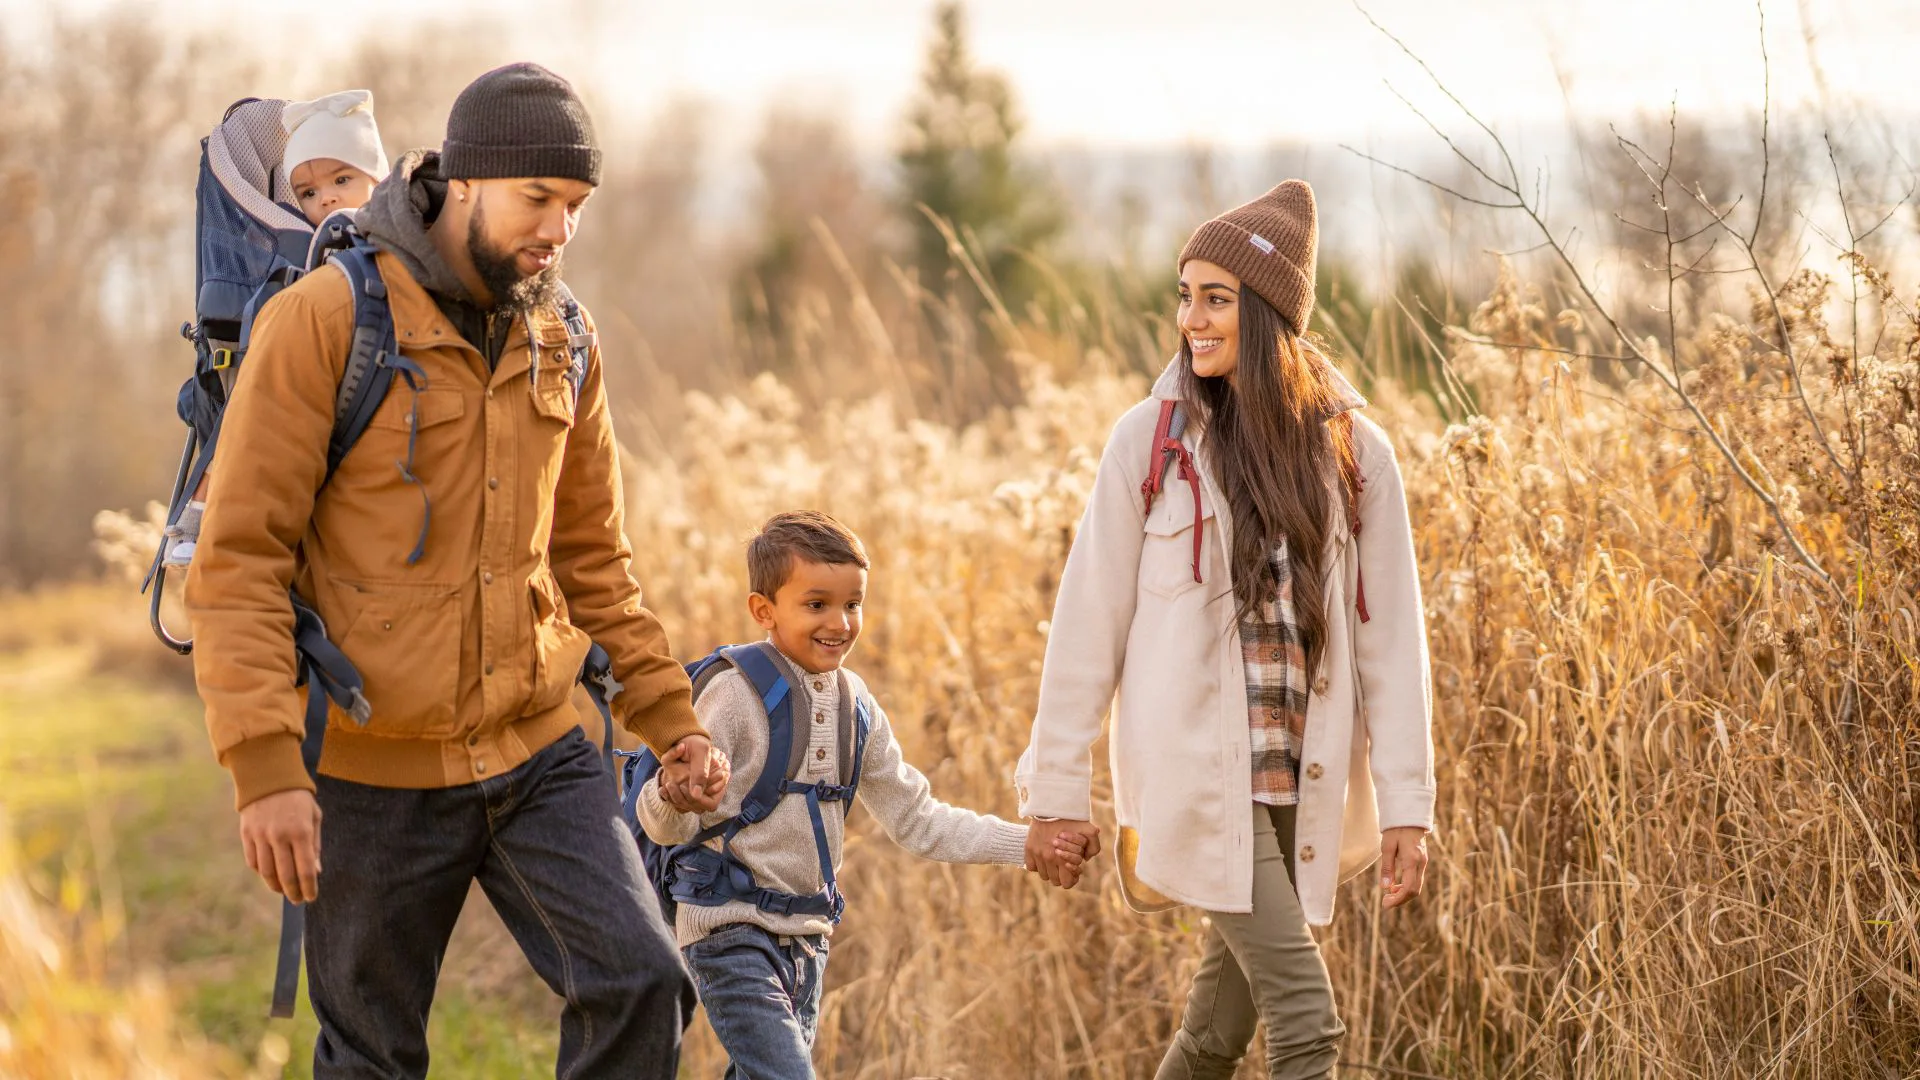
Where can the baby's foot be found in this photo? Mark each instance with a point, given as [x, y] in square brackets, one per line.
[182, 536]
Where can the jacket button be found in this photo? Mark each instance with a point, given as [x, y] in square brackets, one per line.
[1306, 853]
[489, 668]
[1320, 685]
[480, 767]
[1315, 772]
[473, 740]
[487, 577]
[386, 626]
[493, 483]
[818, 685]
[820, 755]
[489, 393]
[819, 718]
[1022, 792]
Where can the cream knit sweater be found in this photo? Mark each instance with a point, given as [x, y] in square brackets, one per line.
[780, 850]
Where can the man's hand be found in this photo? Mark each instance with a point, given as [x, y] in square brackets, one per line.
[693, 775]
[1403, 864]
[1056, 849]
[280, 834]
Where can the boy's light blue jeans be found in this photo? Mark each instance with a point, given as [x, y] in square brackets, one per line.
[762, 996]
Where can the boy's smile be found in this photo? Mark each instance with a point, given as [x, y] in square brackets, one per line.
[814, 617]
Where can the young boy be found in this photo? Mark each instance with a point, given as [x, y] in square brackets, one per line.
[333, 160]
[759, 973]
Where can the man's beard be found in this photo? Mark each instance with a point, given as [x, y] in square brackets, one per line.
[514, 293]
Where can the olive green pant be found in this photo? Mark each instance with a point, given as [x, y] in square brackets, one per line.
[1262, 966]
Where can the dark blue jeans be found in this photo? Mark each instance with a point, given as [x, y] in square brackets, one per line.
[546, 844]
[762, 996]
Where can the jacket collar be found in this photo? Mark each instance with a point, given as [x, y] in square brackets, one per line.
[419, 323]
[1167, 387]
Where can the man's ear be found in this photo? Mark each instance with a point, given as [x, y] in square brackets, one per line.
[761, 609]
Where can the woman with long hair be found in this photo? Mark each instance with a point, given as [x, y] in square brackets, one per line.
[1244, 579]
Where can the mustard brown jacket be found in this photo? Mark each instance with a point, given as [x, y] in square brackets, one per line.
[470, 654]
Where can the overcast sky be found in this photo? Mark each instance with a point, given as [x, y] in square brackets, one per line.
[1124, 72]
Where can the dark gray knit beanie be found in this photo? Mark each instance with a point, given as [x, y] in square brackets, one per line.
[520, 120]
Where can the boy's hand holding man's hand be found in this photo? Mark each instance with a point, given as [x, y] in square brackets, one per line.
[693, 775]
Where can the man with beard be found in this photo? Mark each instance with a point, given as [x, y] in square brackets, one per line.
[462, 556]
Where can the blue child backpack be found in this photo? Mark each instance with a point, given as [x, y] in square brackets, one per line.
[696, 872]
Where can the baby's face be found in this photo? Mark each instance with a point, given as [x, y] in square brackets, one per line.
[324, 185]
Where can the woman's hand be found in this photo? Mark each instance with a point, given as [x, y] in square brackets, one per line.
[1056, 849]
[1403, 864]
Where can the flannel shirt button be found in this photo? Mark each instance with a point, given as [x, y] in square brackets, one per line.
[1315, 772]
[1275, 655]
[1306, 853]
[1273, 714]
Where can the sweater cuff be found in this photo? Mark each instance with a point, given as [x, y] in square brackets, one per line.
[265, 765]
[1065, 797]
[665, 722]
[1007, 846]
[1405, 808]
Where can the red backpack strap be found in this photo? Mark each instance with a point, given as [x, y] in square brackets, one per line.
[1158, 457]
[1167, 449]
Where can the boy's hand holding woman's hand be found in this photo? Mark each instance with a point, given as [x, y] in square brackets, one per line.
[693, 775]
[1058, 850]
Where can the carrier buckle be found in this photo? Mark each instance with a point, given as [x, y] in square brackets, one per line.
[222, 359]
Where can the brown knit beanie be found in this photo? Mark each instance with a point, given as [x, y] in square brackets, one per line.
[1270, 243]
[520, 120]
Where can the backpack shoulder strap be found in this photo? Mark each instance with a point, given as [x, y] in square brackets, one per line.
[770, 681]
[1159, 456]
[580, 340]
[369, 370]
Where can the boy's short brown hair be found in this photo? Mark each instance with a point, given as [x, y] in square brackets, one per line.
[801, 534]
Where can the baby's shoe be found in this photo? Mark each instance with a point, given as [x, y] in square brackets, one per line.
[180, 538]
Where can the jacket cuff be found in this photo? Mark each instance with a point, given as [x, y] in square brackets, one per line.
[1070, 798]
[265, 765]
[1405, 808]
[665, 722]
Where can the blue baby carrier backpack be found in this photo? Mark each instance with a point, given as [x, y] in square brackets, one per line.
[252, 242]
[699, 874]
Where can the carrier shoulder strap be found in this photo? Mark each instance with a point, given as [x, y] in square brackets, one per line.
[370, 368]
[580, 342]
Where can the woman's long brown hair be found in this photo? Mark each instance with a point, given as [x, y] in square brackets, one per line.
[1282, 448]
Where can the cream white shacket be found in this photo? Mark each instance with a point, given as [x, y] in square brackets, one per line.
[1131, 621]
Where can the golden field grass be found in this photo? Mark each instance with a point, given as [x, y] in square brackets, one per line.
[1679, 810]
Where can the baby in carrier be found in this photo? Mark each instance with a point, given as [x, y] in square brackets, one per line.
[332, 161]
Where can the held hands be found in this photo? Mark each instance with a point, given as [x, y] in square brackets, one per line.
[1057, 850]
[280, 834]
[693, 775]
[1403, 864]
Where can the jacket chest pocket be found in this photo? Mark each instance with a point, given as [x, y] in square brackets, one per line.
[407, 438]
[1176, 552]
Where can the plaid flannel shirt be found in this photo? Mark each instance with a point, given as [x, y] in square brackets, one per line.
[1276, 662]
